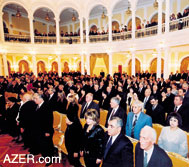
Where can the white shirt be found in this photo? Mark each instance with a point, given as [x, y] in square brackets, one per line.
[114, 138]
[39, 105]
[178, 107]
[149, 152]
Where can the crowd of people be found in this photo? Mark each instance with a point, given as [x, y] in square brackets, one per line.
[29, 118]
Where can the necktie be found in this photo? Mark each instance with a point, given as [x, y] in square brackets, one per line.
[145, 100]
[145, 159]
[85, 109]
[108, 145]
[153, 107]
[175, 109]
[134, 123]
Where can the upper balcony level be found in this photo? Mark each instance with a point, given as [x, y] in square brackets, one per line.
[123, 23]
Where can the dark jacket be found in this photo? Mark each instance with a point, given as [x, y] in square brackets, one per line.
[120, 153]
[93, 143]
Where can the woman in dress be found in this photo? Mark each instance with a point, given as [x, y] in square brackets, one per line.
[93, 142]
[172, 138]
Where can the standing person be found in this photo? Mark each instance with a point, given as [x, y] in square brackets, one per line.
[42, 130]
[172, 138]
[73, 138]
[147, 153]
[93, 142]
[119, 149]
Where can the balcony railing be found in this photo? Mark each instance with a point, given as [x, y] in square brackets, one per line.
[45, 40]
[179, 24]
[122, 36]
[98, 38]
[175, 25]
[17, 38]
[70, 40]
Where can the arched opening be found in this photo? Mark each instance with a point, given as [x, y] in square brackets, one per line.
[23, 66]
[40, 67]
[19, 24]
[154, 19]
[99, 11]
[66, 67]
[54, 67]
[153, 66]
[47, 25]
[184, 66]
[137, 66]
[115, 27]
[67, 17]
[93, 30]
[137, 23]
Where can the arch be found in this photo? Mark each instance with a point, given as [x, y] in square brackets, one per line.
[93, 27]
[113, 5]
[138, 23]
[22, 3]
[153, 65]
[154, 17]
[66, 67]
[67, 6]
[23, 66]
[54, 66]
[91, 6]
[115, 25]
[184, 64]
[40, 66]
[137, 66]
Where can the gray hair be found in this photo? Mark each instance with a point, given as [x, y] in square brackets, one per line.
[116, 100]
[152, 132]
[119, 122]
[138, 103]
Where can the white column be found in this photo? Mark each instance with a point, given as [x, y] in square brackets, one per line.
[123, 19]
[5, 65]
[158, 74]
[59, 65]
[145, 14]
[159, 17]
[166, 63]
[73, 28]
[133, 63]
[87, 29]
[2, 37]
[133, 9]
[110, 27]
[176, 61]
[88, 63]
[10, 23]
[81, 29]
[178, 6]
[30, 16]
[110, 63]
[167, 19]
[34, 64]
[57, 30]
[82, 65]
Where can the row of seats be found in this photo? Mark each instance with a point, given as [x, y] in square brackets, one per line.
[59, 126]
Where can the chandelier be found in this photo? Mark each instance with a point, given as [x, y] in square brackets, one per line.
[47, 18]
[128, 12]
[18, 14]
[155, 4]
[73, 17]
[103, 14]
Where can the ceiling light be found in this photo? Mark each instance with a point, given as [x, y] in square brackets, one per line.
[73, 17]
[18, 14]
[103, 14]
[47, 18]
[155, 4]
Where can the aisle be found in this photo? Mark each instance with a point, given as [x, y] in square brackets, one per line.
[8, 148]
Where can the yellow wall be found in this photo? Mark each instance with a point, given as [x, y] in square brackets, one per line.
[94, 21]
[20, 23]
[6, 18]
[52, 29]
[41, 27]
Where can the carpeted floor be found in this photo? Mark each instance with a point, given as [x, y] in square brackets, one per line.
[9, 148]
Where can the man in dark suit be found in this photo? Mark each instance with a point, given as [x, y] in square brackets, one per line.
[146, 100]
[2, 112]
[88, 105]
[52, 99]
[42, 128]
[119, 149]
[156, 112]
[116, 111]
[136, 120]
[186, 95]
[147, 153]
[141, 91]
